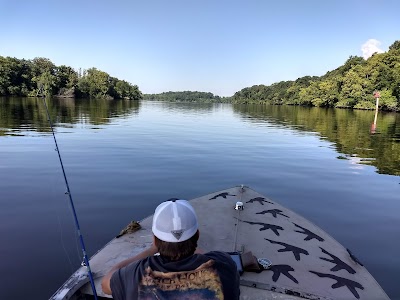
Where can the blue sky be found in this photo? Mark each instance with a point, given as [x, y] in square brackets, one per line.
[215, 46]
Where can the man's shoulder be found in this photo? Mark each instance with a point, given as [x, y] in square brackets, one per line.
[227, 271]
[220, 256]
[129, 270]
[217, 253]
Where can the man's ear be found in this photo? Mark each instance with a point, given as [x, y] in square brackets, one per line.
[154, 242]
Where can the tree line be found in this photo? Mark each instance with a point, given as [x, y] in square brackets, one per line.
[21, 77]
[349, 86]
[186, 96]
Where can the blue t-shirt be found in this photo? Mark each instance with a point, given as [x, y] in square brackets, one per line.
[212, 275]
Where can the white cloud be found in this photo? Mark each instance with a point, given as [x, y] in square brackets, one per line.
[370, 47]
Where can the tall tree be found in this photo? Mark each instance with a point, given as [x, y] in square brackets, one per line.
[94, 83]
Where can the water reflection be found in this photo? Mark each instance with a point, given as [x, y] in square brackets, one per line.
[187, 106]
[19, 115]
[348, 130]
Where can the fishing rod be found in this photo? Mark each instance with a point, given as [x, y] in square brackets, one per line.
[71, 202]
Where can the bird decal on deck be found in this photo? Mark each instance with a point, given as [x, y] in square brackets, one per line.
[338, 262]
[273, 212]
[350, 284]
[310, 235]
[296, 250]
[266, 226]
[282, 269]
[260, 200]
[223, 195]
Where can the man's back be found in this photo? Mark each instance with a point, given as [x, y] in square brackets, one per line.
[212, 275]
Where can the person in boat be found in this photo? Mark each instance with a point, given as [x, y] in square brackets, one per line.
[180, 270]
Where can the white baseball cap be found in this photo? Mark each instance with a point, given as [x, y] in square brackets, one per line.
[174, 221]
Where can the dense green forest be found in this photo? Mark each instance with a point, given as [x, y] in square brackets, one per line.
[349, 86]
[187, 96]
[20, 77]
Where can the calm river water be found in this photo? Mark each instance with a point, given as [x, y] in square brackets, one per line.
[122, 158]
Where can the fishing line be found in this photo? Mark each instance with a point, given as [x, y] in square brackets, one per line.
[71, 202]
[62, 243]
[76, 238]
[60, 229]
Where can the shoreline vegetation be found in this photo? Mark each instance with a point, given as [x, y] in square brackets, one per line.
[24, 78]
[188, 96]
[349, 86]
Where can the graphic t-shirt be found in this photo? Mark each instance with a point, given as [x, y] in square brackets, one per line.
[212, 275]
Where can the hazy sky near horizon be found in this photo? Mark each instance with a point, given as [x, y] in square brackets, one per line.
[214, 46]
